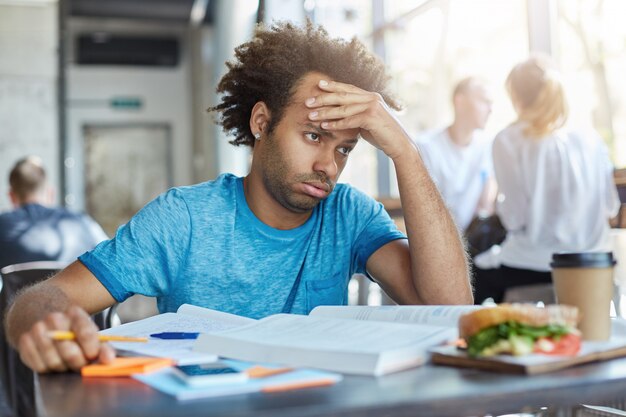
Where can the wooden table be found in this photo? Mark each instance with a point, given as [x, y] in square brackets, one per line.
[426, 391]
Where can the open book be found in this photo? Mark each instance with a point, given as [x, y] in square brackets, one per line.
[353, 340]
[350, 339]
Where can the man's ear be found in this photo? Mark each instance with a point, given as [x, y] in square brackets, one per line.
[15, 201]
[50, 195]
[260, 118]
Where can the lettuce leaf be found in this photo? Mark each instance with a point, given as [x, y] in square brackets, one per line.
[520, 336]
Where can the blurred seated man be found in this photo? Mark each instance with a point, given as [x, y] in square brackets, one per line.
[35, 232]
[458, 157]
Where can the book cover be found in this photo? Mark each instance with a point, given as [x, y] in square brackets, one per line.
[165, 381]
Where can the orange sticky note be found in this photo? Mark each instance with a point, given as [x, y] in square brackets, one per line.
[126, 366]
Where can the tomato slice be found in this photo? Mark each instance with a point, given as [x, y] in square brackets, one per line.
[567, 345]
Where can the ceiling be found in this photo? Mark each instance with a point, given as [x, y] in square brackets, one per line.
[169, 11]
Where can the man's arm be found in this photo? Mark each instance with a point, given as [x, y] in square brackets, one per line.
[432, 268]
[434, 261]
[62, 302]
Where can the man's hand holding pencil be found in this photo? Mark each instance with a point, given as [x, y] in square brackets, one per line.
[64, 341]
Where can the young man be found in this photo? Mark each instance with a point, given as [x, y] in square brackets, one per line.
[284, 238]
[34, 231]
[459, 156]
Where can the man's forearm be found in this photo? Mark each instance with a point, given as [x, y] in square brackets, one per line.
[438, 258]
[32, 305]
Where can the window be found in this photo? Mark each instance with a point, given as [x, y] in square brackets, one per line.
[591, 50]
[432, 47]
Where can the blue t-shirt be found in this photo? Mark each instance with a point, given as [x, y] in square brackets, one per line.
[202, 245]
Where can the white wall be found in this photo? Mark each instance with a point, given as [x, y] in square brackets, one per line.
[165, 93]
[28, 101]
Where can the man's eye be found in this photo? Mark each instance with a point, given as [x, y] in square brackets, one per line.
[312, 136]
[344, 150]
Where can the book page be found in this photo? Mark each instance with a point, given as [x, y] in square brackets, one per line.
[335, 334]
[214, 315]
[180, 350]
[436, 315]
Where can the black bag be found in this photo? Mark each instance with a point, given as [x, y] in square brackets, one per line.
[484, 232]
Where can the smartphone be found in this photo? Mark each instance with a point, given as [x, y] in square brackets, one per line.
[216, 373]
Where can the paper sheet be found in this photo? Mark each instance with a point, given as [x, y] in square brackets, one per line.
[188, 319]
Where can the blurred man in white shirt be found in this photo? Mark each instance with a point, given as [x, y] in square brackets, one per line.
[459, 157]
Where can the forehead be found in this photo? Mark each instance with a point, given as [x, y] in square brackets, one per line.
[307, 86]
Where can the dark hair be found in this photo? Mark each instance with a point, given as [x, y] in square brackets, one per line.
[27, 177]
[268, 68]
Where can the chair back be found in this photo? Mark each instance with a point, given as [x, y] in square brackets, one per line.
[18, 380]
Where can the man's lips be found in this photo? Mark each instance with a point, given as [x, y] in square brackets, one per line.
[316, 189]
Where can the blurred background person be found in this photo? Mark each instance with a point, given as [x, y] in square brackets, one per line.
[33, 231]
[458, 157]
[556, 185]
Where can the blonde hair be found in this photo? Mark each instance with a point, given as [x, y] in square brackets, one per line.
[536, 90]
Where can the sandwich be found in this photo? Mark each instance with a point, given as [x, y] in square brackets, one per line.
[521, 329]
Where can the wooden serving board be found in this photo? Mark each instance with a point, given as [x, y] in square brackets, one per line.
[615, 347]
[531, 364]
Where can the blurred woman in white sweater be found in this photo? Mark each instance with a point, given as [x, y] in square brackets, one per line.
[556, 189]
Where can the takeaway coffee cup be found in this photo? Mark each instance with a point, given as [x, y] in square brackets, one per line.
[585, 280]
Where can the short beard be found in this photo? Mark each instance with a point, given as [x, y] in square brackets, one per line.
[276, 180]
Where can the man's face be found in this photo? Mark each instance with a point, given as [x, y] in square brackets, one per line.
[300, 161]
[475, 106]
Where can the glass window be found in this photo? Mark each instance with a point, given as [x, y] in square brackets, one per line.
[430, 50]
[591, 50]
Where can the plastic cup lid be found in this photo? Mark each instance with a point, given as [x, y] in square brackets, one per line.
[583, 259]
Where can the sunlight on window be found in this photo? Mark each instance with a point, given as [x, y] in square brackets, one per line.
[591, 51]
[432, 49]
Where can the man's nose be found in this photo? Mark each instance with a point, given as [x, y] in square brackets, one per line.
[325, 162]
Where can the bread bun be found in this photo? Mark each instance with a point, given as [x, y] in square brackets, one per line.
[472, 323]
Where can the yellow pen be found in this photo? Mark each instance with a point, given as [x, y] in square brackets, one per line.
[67, 335]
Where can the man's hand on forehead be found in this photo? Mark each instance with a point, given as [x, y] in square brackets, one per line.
[342, 106]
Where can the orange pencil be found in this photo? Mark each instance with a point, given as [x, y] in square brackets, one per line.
[288, 386]
[67, 335]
